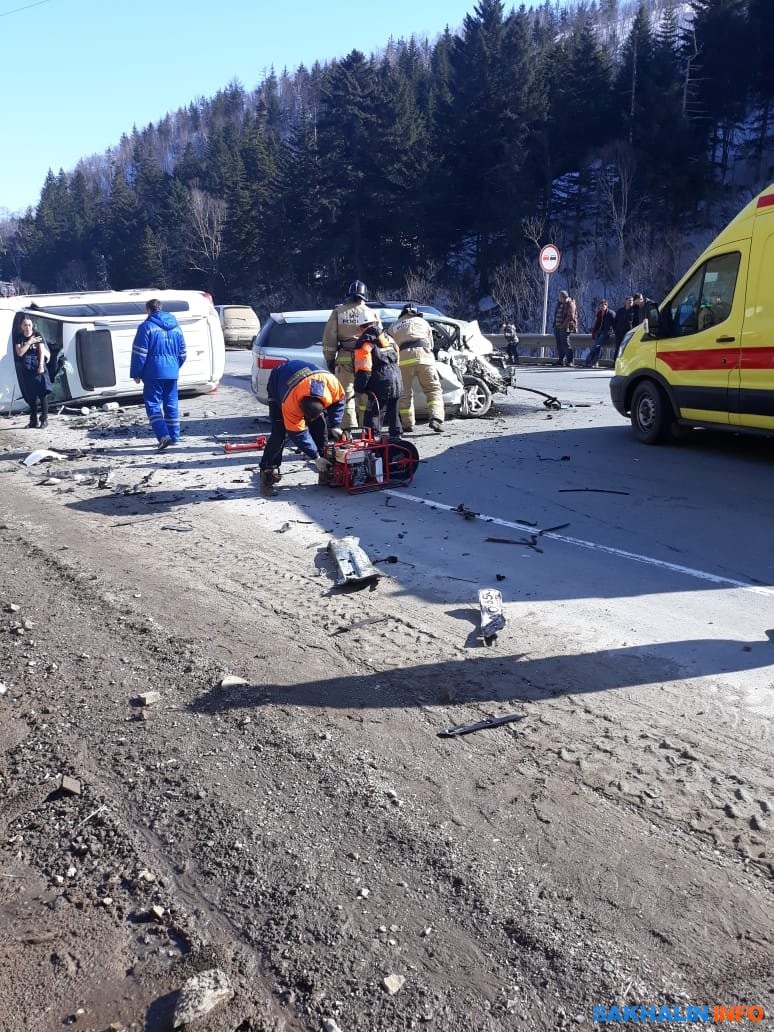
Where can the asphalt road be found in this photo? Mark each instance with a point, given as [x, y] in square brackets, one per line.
[659, 551]
[613, 844]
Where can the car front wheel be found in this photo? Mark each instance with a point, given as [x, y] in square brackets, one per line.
[651, 414]
[478, 397]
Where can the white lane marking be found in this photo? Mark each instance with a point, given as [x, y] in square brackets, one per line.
[647, 560]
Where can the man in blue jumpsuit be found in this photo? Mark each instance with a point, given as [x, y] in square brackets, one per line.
[158, 352]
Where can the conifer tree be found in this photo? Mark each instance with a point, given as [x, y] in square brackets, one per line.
[348, 145]
[125, 237]
[482, 182]
[761, 31]
[721, 32]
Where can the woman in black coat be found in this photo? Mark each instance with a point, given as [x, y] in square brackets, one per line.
[31, 353]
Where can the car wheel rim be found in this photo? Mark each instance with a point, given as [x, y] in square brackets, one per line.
[476, 399]
[646, 413]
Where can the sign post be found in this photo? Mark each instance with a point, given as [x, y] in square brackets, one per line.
[550, 258]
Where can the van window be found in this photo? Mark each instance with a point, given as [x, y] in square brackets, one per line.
[94, 358]
[95, 309]
[706, 299]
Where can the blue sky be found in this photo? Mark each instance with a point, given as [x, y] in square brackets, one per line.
[86, 71]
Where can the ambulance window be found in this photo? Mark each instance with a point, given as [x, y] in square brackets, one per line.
[706, 299]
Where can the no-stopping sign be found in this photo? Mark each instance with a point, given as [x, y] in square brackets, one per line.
[550, 258]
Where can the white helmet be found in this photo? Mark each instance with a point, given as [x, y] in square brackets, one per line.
[368, 318]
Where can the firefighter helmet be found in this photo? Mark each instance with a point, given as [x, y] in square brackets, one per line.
[357, 291]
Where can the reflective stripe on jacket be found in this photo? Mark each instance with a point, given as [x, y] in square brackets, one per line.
[342, 330]
[293, 381]
[158, 349]
[412, 331]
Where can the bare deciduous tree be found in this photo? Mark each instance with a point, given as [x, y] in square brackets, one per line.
[582, 280]
[533, 229]
[420, 284]
[208, 217]
[517, 290]
[614, 188]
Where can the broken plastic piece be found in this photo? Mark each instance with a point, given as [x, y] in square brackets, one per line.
[490, 601]
[40, 455]
[354, 565]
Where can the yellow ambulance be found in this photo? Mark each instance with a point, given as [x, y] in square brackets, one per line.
[705, 355]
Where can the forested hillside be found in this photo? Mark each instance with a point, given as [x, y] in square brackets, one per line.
[625, 134]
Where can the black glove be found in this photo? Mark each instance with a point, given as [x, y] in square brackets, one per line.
[332, 366]
[336, 433]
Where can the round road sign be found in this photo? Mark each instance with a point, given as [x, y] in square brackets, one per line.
[550, 258]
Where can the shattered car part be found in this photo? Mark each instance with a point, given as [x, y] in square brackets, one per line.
[490, 602]
[353, 564]
[40, 455]
[480, 725]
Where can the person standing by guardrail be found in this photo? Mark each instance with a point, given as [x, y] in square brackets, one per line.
[511, 342]
[623, 322]
[565, 323]
[601, 332]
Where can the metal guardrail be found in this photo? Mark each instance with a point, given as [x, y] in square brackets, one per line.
[540, 349]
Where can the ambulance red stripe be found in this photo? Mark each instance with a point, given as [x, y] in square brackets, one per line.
[718, 358]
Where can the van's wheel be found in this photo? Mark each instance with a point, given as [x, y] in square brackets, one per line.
[477, 395]
[651, 414]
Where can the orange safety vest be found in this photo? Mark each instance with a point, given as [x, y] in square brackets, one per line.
[368, 343]
[293, 414]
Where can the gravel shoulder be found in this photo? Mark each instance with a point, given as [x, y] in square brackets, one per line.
[286, 813]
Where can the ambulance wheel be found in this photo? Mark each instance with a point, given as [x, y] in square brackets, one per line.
[651, 414]
[477, 395]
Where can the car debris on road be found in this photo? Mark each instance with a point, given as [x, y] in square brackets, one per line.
[480, 725]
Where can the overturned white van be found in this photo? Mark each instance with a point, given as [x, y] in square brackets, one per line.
[90, 337]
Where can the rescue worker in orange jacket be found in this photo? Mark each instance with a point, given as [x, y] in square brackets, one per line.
[377, 378]
[341, 331]
[414, 337]
[305, 402]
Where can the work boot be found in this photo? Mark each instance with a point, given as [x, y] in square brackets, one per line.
[269, 479]
[436, 426]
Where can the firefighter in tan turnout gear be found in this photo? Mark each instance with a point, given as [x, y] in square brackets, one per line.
[414, 337]
[339, 338]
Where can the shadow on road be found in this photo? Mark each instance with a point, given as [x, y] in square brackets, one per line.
[506, 678]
